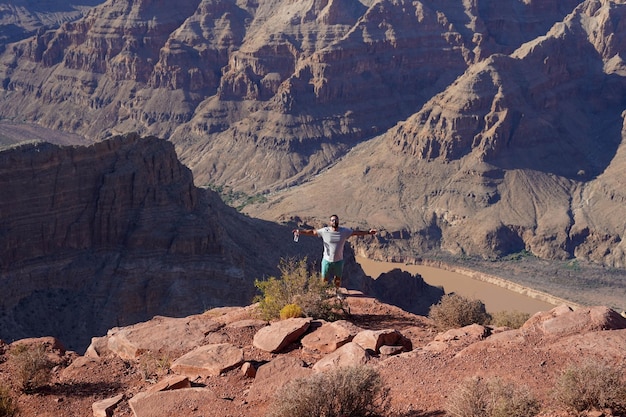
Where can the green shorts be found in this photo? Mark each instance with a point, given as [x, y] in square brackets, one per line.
[332, 269]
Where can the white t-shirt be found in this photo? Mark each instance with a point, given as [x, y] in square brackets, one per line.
[334, 242]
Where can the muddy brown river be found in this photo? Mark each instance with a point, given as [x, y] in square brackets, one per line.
[494, 297]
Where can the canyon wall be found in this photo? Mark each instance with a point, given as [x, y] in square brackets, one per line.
[115, 233]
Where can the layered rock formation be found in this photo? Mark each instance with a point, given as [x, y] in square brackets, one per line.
[484, 129]
[226, 362]
[115, 233]
[522, 152]
[20, 19]
[296, 84]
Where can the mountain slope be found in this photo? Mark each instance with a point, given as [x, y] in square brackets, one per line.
[116, 233]
[506, 158]
[295, 83]
[473, 129]
[20, 19]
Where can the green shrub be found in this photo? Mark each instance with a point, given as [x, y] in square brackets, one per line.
[591, 385]
[8, 408]
[511, 319]
[477, 397]
[454, 311]
[33, 368]
[296, 285]
[290, 311]
[352, 391]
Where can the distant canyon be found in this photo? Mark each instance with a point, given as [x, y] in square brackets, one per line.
[486, 135]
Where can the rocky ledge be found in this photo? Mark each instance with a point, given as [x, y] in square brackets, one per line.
[227, 362]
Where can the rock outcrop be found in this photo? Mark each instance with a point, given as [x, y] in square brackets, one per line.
[485, 131]
[22, 19]
[419, 367]
[518, 153]
[116, 233]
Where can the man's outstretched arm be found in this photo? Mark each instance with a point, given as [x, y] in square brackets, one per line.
[363, 232]
[306, 232]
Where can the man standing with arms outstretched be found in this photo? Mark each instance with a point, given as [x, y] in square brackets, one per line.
[334, 238]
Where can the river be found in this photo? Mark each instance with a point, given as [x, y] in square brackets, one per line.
[495, 298]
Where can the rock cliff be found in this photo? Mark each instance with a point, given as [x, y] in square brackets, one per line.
[227, 363]
[20, 19]
[517, 154]
[115, 233]
[484, 129]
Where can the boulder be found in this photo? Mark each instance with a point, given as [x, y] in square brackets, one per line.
[208, 360]
[347, 355]
[374, 339]
[562, 320]
[276, 373]
[169, 403]
[277, 336]
[248, 370]
[104, 408]
[328, 337]
[473, 333]
[170, 383]
[49, 342]
[160, 334]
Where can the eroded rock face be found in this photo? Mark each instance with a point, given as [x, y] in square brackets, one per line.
[495, 136]
[518, 153]
[298, 83]
[113, 234]
[110, 195]
[528, 129]
[19, 19]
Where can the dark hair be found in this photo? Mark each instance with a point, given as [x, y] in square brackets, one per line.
[334, 215]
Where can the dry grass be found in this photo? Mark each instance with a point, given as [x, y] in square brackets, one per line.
[154, 366]
[32, 366]
[454, 311]
[297, 285]
[511, 319]
[591, 385]
[353, 391]
[290, 311]
[477, 397]
[8, 407]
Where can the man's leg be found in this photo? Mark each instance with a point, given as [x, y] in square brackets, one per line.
[337, 273]
[337, 281]
[326, 270]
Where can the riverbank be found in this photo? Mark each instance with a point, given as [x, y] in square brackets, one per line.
[496, 293]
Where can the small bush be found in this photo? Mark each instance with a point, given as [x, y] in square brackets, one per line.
[290, 311]
[32, 366]
[296, 285]
[454, 311]
[152, 367]
[470, 399]
[477, 397]
[8, 408]
[511, 400]
[352, 391]
[591, 385]
[511, 319]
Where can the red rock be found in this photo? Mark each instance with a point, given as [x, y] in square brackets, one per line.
[280, 334]
[208, 360]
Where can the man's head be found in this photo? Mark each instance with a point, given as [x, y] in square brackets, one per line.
[334, 221]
